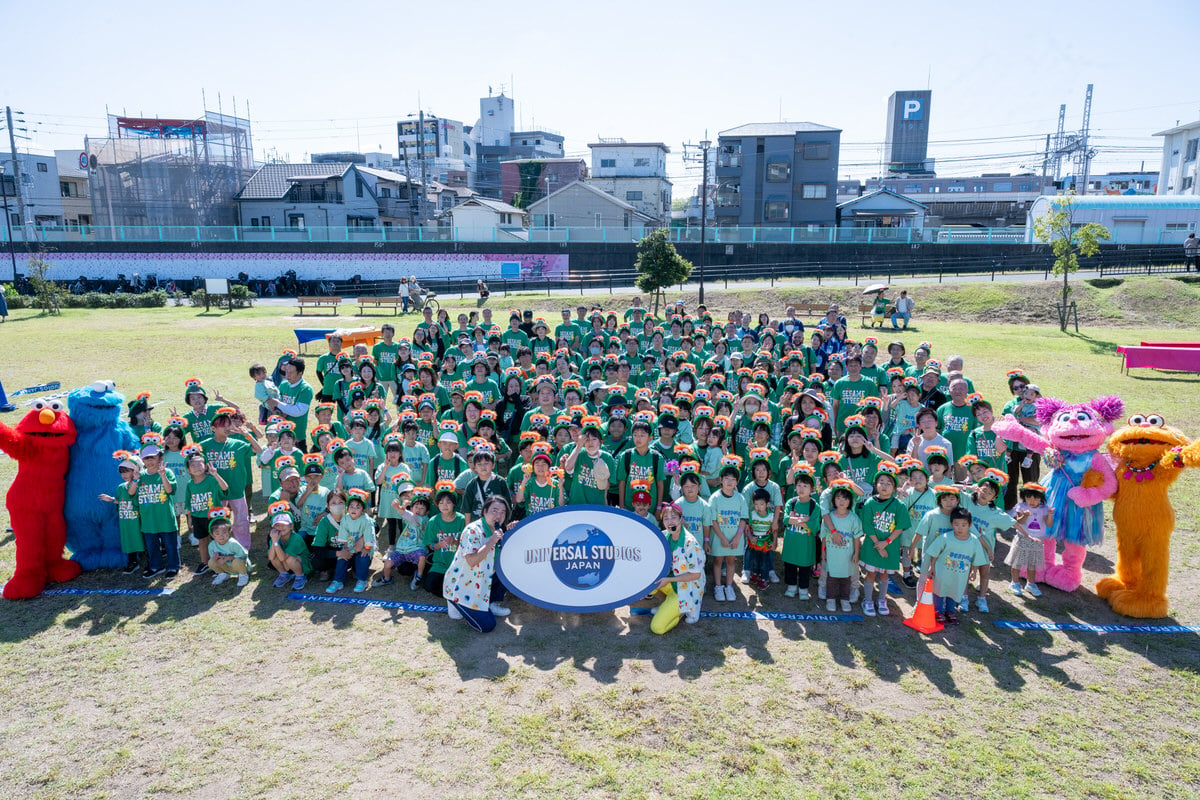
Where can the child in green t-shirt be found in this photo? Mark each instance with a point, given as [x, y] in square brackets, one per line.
[156, 508]
[356, 541]
[413, 507]
[884, 518]
[802, 524]
[948, 560]
[205, 490]
[441, 537]
[761, 543]
[125, 496]
[226, 554]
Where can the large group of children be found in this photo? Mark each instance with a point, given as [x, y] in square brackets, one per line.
[793, 448]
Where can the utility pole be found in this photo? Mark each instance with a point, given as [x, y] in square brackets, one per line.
[703, 148]
[12, 253]
[12, 146]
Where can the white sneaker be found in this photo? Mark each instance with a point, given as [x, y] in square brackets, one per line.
[820, 591]
[868, 608]
[692, 617]
[804, 595]
[745, 577]
[846, 606]
[882, 607]
[499, 610]
[220, 578]
[452, 611]
[243, 579]
[831, 605]
[719, 592]
[193, 541]
[854, 594]
[773, 576]
[791, 591]
[730, 594]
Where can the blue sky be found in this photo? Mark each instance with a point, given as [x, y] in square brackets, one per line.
[322, 76]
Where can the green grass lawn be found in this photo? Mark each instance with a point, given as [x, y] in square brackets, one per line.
[212, 692]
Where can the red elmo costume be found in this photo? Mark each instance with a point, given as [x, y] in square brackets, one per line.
[41, 445]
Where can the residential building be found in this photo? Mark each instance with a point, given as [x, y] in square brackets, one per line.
[1180, 170]
[482, 219]
[635, 172]
[780, 174]
[37, 192]
[340, 195]
[444, 196]
[996, 199]
[73, 188]
[581, 205]
[881, 208]
[524, 180]
[397, 197]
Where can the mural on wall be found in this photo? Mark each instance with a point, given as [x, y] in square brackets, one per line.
[312, 266]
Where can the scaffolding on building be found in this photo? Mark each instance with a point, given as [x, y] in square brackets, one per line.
[171, 172]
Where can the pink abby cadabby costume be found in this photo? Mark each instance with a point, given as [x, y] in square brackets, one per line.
[1073, 435]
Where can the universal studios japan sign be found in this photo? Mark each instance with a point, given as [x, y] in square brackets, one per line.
[583, 558]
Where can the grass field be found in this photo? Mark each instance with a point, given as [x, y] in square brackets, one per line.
[212, 692]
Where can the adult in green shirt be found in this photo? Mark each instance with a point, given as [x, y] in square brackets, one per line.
[386, 354]
[590, 468]
[328, 361]
[956, 419]
[295, 397]
[514, 337]
[849, 389]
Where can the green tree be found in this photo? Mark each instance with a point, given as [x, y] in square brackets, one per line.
[659, 265]
[1068, 242]
[48, 293]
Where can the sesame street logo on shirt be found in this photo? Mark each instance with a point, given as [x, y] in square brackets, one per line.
[583, 558]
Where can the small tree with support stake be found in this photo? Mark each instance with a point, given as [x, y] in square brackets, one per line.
[1068, 242]
[659, 265]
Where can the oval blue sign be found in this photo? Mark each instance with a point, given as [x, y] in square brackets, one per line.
[583, 558]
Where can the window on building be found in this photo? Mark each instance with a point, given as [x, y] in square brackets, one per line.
[608, 163]
[1178, 226]
[814, 191]
[778, 171]
[65, 188]
[630, 196]
[1187, 183]
[41, 167]
[775, 210]
[1192, 146]
[266, 222]
[641, 162]
[296, 221]
[85, 219]
[599, 220]
[815, 151]
[358, 187]
[385, 192]
[254, 222]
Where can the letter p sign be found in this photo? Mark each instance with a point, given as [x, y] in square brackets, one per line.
[911, 110]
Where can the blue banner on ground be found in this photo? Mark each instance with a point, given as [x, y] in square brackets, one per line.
[1081, 626]
[424, 608]
[763, 615]
[134, 592]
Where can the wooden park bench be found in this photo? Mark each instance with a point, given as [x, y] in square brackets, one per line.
[318, 302]
[377, 303]
[811, 309]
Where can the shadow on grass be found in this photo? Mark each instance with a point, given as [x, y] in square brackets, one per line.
[1097, 346]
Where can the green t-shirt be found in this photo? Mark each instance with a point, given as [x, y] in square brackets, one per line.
[952, 559]
[292, 394]
[489, 390]
[956, 424]
[633, 466]
[696, 516]
[296, 546]
[128, 522]
[202, 497]
[199, 426]
[848, 392]
[232, 460]
[584, 488]
[386, 356]
[444, 469]
[839, 559]
[438, 530]
[727, 512]
[155, 503]
[514, 339]
[881, 519]
[800, 534]
[540, 498]
[982, 443]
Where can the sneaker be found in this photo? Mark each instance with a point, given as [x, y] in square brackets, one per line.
[499, 610]
[868, 608]
[334, 587]
[854, 595]
[171, 573]
[283, 580]
[831, 605]
[791, 591]
[243, 579]
[1016, 589]
[452, 610]
[1033, 589]
[804, 595]
[384, 581]
[220, 578]
[964, 604]
[131, 567]
[719, 592]
[773, 576]
[910, 580]
[692, 617]
[200, 569]
[746, 576]
[730, 594]
[893, 587]
[846, 607]
[193, 541]
[360, 586]
[820, 592]
[300, 583]
[951, 618]
[981, 604]
[415, 582]
[152, 573]
[939, 617]
[882, 607]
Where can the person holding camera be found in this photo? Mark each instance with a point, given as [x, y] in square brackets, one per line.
[468, 587]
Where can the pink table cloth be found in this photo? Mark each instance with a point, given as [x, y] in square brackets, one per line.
[1177, 358]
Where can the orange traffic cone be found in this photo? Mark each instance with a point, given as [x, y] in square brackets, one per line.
[923, 618]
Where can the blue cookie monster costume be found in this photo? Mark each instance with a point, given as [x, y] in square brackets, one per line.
[92, 532]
